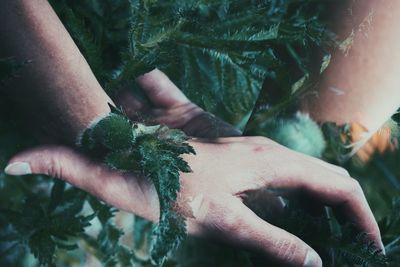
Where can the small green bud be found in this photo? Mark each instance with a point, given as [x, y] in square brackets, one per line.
[113, 132]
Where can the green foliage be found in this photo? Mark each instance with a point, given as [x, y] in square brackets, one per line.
[152, 151]
[45, 227]
[107, 247]
[340, 244]
[100, 29]
[390, 228]
[219, 52]
[248, 62]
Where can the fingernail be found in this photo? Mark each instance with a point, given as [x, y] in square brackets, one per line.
[312, 259]
[18, 168]
[383, 248]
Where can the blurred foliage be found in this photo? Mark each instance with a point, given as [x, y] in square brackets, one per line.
[248, 62]
[298, 132]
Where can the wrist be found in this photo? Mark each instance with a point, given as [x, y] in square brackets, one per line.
[56, 92]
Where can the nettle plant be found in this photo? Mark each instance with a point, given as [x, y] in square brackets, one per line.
[220, 53]
[151, 151]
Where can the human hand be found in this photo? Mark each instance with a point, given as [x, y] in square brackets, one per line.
[224, 173]
[169, 106]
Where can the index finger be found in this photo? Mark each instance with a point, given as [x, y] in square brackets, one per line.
[343, 193]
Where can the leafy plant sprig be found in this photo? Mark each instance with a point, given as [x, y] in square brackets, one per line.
[151, 151]
[47, 225]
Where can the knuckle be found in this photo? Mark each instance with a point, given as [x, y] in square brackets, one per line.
[375, 232]
[269, 147]
[354, 187]
[231, 223]
[342, 171]
[54, 163]
[200, 207]
[260, 149]
[225, 219]
[259, 139]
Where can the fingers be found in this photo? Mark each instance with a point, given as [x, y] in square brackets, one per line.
[240, 226]
[117, 189]
[55, 161]
[130, 103]
[169, 103]
[333, 188]
[161, 90]
[322, 163]
[206, 125]
[265, 204]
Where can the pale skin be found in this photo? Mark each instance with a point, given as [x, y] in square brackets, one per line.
[364, 86]
[225, 170]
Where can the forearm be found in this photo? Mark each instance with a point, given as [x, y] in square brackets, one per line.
[57, 86]
[364, 87]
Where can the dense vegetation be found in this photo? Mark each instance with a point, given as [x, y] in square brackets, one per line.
[220, 53]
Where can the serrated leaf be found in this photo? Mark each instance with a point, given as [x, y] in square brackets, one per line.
[155, 152]
[56, 195]
[43, 248]
[123, 160]
[169, 232]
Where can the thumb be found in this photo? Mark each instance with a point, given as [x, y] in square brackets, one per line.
[56, 161]
[117, 189]
[161, 90]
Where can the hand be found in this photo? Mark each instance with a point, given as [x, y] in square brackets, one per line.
[224, 173]
[169, 106]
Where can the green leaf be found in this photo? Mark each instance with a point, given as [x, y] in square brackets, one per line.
[104, 212]
[153, 151]
[169, 232]
[123, 160]
[56, 195]
[43, 248]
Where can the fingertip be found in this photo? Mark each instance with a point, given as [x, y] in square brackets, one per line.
[312, 259]
[383, 249]
[160, 89]
[150, 77]
[45, 160]
[18, 168]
